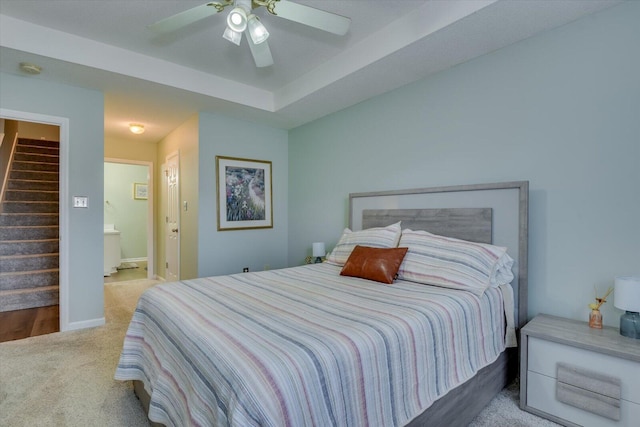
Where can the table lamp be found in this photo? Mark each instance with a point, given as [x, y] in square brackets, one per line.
[318, 251]
[627, 297]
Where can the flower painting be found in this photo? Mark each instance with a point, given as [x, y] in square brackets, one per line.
[244, 193]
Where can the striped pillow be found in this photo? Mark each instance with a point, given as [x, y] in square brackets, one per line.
[453, 263]
[378, 237]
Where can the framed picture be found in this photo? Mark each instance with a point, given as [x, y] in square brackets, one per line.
[244, 193]
[140, 191]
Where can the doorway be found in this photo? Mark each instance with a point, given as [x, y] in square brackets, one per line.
[33, 284]
[128, 220]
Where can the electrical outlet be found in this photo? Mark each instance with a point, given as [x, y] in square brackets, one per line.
[267, 267]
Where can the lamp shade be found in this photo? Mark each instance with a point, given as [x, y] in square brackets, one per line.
[237, 19]
[626, 295]
[318, 249]
[257, 31]
[232, 36]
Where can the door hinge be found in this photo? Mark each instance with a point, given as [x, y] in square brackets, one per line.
[166, 264]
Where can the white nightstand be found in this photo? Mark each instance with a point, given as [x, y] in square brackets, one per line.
[579, 376]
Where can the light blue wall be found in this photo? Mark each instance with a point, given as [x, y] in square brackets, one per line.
[120, 208]
[561, 110]
[85, 111]
[226, 252]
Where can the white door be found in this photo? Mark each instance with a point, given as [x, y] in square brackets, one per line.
[172, 221]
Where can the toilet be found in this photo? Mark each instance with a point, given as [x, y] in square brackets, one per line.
[111, 249]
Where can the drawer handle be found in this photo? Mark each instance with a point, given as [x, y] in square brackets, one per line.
[592, 391]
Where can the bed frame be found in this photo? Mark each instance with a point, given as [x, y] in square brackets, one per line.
[486, 213]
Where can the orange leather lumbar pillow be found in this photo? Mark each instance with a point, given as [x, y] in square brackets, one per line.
[376, 264]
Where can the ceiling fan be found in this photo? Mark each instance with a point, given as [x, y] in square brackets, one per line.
[241, 20]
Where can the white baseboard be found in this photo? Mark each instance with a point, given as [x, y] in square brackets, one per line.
[92, 323]
[133, 259]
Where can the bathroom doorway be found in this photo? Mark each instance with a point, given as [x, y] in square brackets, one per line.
[128, 220]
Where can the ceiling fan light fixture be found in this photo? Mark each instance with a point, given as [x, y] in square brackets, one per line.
[257, 30]
[237, 19]
[232, 36]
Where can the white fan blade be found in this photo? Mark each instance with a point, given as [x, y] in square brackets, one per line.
[316, 18]
[261, 53]
[185, 18]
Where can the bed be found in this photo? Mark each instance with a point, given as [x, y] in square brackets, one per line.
[308, 346]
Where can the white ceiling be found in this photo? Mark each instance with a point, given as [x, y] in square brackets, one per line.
[161, 81]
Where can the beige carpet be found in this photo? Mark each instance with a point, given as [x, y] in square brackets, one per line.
[66, 378]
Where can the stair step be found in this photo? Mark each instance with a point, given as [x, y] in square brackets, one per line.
[30, 207]
[42, 158]
[33, 175]
[28, 232]
[38, 142]
[35, 149]
[20, 299]
[21, 219]
[30, 195]
[15, 263]
[34, 166]
[29, 279]
[29, 247]
[27, 184]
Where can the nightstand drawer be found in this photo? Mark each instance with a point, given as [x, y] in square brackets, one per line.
[544, 356]
[541, 395]
[579, 376]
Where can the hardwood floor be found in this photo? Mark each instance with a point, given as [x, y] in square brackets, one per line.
[30, 322]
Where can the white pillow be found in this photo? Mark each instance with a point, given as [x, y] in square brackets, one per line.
[453, 263]
[377, 237]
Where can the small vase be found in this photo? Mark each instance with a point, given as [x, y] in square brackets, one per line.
[595, 319]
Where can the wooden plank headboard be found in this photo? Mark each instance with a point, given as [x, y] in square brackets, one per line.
[486, 213]
[472, 224]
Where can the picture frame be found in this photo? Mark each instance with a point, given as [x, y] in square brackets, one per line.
[244, 193]
[140, 191]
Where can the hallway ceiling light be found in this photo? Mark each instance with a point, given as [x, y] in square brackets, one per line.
[136, 128]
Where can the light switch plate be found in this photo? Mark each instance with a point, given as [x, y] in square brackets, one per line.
[80, 202]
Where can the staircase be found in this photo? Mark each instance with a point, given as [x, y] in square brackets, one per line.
[29, 257]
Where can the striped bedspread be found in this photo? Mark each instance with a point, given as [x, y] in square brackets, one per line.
[305, 346]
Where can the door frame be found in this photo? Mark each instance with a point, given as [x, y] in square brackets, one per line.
[63, 199]
[151, 247]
